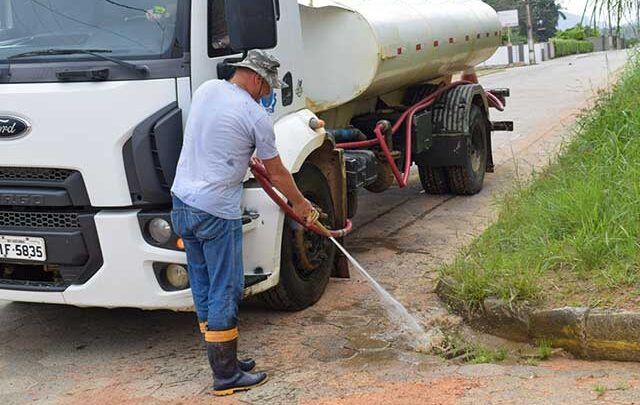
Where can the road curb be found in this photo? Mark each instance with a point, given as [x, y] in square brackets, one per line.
[596, 334]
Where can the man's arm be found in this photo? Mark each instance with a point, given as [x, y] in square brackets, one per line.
[281, 178]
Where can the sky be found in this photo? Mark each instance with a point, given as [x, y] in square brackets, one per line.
[574, 6]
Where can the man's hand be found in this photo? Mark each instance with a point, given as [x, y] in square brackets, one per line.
[282, 180]
[256, 161]
[306, 211]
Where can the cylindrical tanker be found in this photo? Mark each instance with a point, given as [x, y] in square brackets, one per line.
[364, 48]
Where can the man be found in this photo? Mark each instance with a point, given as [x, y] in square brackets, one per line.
[225, 126]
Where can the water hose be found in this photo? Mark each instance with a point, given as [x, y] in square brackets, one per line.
[260, 173]
[407, 117]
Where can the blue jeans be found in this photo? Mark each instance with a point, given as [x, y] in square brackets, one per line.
[214, 263]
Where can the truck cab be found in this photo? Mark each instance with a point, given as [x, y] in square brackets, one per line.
[89, 148]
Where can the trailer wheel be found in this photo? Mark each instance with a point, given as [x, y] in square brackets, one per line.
[306, 259]
[433, 179]
[468, 178]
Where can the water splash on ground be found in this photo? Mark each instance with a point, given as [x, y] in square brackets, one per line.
[420, 339]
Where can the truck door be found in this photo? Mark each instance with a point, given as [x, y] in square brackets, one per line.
[210, 45]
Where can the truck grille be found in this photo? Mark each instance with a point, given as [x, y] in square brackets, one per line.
[73, 249]
[17, 219]
[34, 174]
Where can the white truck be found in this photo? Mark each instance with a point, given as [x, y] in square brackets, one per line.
[94, 95]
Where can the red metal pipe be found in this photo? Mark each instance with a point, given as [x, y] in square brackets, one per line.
[358, 144]
[261, 174]
[407, 118]
[495, 102]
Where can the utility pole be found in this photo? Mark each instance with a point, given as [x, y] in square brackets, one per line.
[532, 50]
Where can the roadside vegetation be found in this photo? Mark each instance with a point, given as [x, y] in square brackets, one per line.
[571, 236]
[564, 47]
[574, 41]
[459, 348]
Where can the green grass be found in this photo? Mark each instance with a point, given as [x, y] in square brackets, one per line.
[485, 355]
[545, 351]
[572, 235]
[600, 390]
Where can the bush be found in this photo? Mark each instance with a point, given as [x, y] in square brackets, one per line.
[566, 47]
[631, 42]
[579, 33]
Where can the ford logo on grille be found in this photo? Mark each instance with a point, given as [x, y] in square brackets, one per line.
[12, 126]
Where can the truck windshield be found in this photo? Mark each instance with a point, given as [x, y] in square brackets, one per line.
[138, 29]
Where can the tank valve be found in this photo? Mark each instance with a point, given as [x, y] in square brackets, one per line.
[316, 123]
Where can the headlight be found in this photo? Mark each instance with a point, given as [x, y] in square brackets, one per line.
[160, 230]
[177, 276]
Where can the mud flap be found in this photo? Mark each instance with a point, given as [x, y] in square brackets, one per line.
[331, 162]
[491, 168]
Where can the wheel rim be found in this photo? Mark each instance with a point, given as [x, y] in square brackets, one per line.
[309, 249]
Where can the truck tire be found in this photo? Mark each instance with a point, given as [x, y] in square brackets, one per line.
[301, 287]
[433, 179]
[468, 178]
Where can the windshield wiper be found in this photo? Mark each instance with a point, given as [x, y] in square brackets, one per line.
[98, 53]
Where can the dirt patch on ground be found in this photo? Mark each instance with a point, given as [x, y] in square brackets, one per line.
[443, 391]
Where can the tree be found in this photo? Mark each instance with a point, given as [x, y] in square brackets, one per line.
[614, 11]
[578, 33]
[544, 15]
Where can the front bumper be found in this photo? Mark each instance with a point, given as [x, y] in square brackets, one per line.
[126, 277]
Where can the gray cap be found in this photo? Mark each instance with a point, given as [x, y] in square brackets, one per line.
[264, 64]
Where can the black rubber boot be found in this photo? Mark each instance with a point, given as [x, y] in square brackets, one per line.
[227, 376]
[247, 364]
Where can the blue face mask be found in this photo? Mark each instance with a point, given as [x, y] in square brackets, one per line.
[269, 102]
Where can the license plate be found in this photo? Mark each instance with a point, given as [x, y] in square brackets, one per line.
[22, 248]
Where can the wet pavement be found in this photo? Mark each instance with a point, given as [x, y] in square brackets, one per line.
[344, 350]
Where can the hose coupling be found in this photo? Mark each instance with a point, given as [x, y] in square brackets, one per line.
[384, 125]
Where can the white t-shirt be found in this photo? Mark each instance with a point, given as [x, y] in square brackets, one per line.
[224, 128]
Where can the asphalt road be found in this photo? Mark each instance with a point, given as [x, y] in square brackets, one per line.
[344, 349]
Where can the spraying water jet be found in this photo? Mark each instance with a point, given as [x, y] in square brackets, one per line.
[420, 339]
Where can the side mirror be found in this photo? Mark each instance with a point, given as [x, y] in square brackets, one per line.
[251, 24]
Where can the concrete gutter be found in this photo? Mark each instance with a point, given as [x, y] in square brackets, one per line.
[594, 334]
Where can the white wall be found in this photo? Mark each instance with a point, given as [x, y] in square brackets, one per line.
[520, 54]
